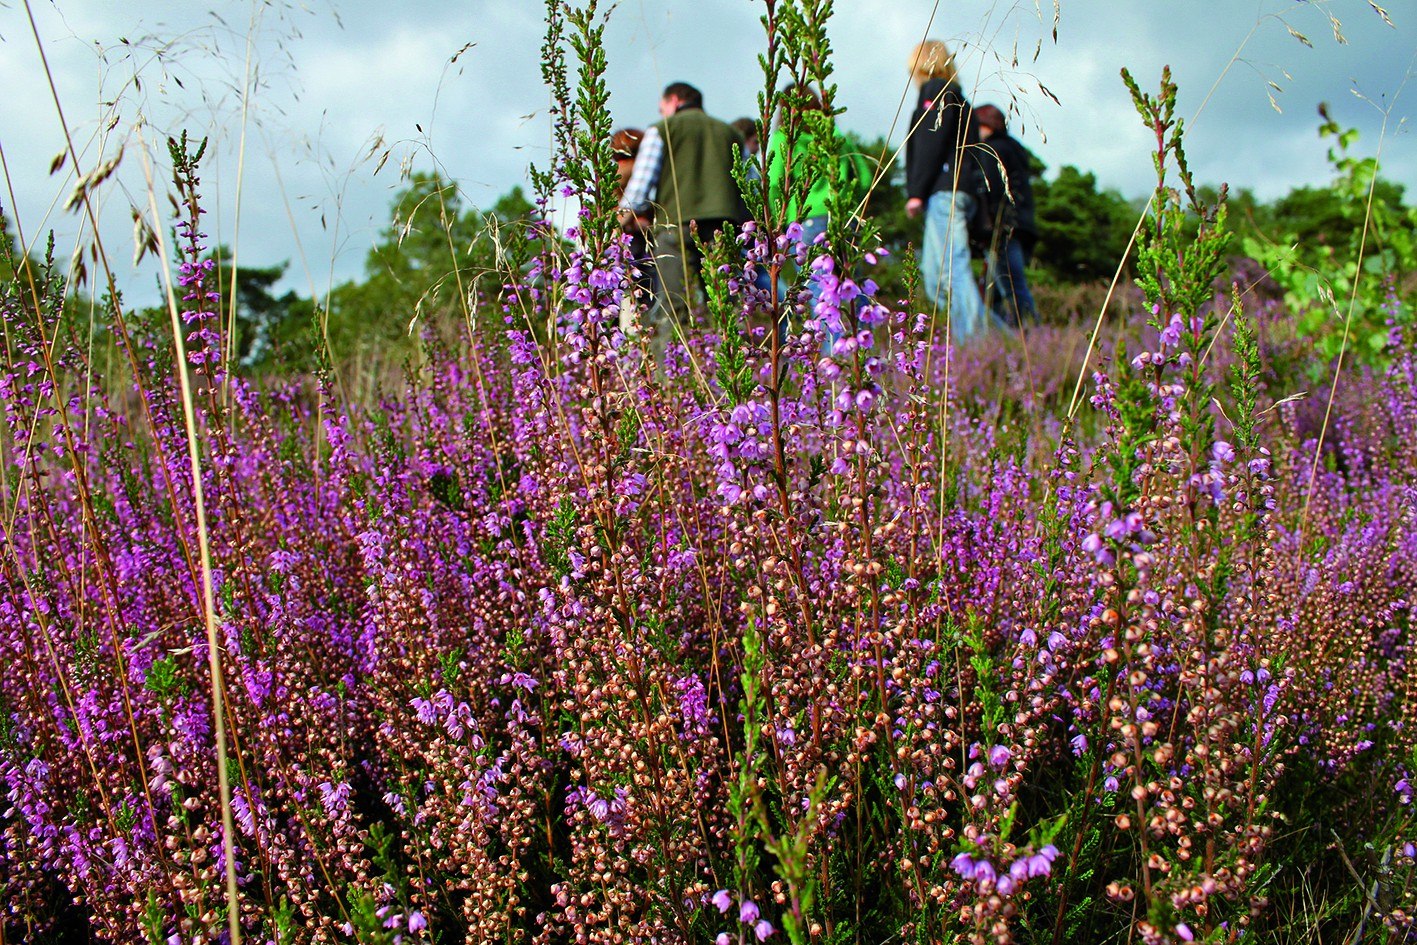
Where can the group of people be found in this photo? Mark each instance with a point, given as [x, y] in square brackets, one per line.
[965, 176]
[971, 181]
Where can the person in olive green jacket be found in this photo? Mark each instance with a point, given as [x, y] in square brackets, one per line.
[684, 174]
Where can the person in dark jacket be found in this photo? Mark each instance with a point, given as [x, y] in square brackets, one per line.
[939, 185]
[684, 173]
[1008, 217]
[625, 143]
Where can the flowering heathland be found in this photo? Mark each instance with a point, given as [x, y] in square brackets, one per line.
[559, 645]
[842, 635]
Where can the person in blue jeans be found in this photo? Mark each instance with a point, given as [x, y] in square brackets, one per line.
[1010, 224]
[939, 183]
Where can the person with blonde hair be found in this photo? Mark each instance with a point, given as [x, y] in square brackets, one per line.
[939, 182]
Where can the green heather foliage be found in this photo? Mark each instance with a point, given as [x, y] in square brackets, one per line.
[1054, 638]
[1345, 255]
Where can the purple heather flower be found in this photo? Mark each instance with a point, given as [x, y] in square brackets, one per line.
[1171, 334]
[417, 922]
[723, 939]
[520, 680]
[1184, 933]
[722, 900]
[762, 929]
[335, 798]
[999, 756]
[748, 912]
[1094, 545]
[1037, 865]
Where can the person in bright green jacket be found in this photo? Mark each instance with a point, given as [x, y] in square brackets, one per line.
[853, 175]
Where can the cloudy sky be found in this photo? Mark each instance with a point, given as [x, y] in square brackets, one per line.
[331, 85]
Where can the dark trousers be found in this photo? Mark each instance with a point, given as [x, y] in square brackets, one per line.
[678, 264]
[1012, 299]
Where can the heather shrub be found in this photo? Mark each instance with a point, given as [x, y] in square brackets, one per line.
[1090, 636]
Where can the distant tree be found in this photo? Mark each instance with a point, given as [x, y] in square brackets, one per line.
[1327, 216]
[266, 325]
[1344, 254]
[426, 263]
[1247, 216]
[1082, 231]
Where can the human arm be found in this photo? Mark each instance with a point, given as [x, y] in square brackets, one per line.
[644, 178]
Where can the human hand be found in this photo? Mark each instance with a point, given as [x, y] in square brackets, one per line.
[913, 206]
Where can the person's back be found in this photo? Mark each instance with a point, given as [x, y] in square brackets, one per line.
[852, 174]
[939, 184]
[697, 180]
[1011, 231]
[1018, 165]
[684, 174]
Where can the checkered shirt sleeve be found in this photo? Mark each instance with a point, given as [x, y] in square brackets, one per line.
[644, 178]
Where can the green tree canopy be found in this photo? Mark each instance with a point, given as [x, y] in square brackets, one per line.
[434, 253]
[1082, 231]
